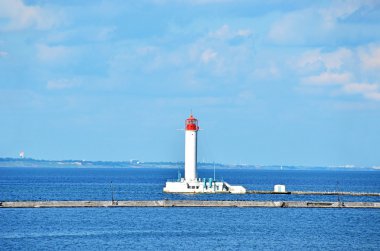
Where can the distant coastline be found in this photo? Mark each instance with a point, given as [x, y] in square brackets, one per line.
[36, 163]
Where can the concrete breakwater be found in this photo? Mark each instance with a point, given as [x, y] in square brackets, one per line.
[313, 193]
[188, 203]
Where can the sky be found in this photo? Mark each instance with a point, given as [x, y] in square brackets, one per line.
[271, 82]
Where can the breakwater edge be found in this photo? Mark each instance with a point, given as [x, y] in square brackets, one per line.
[188, 203]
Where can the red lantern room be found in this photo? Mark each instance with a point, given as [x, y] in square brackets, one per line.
[191, 124]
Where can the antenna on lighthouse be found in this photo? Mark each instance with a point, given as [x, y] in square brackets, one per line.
[214, 169]
[179, 174]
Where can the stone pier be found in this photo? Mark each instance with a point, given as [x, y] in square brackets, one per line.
[188, 203]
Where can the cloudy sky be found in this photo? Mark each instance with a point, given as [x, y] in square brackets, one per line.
[271, 82]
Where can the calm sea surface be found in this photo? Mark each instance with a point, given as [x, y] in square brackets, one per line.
[183, 228]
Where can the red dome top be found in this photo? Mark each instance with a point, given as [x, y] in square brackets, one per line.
[191, 124]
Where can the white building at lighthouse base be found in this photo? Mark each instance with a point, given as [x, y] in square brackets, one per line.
[202, 186]
[191, 183]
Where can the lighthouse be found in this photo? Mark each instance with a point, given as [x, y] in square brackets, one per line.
[192, 183]
[191, 131]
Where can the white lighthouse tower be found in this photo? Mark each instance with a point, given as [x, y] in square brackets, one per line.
[192, 183]
[191, 131]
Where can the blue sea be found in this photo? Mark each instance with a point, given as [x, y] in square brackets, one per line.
[183, 228]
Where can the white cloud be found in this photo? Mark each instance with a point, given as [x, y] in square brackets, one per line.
[225, 32]
[370, 57]
[267, 72]
[19, 16]
[105, 33]
[328, 78]
[208, 55]
[298, 27]
[52, 53]
[317, 24]
[310, 60]
[343, 71]
[373, 96]
[340, 10]
[60, 84]
[244, 33]
[315, 59]
[221, 33]
[344, 86]
[369, 91]
[3, 54]
[360, 88]
[335, 60]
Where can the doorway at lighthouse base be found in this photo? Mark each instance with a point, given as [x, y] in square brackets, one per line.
[202, 186]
